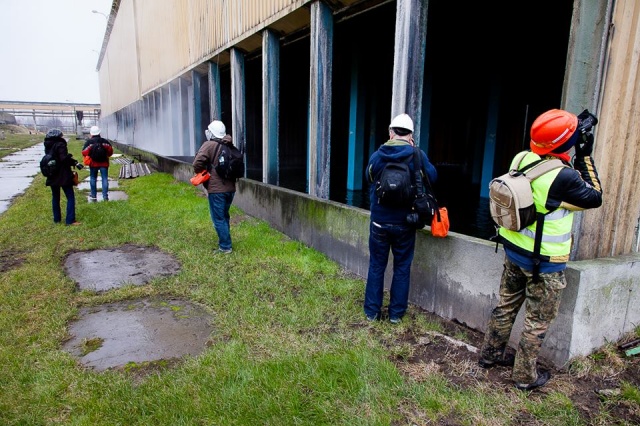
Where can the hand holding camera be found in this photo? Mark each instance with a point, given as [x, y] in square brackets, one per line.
[586, 122]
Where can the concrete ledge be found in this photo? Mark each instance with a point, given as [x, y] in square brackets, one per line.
[456, 277]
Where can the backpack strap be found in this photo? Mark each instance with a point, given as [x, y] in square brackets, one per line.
[215, 154]
[543, 167]
[533, 171]
[416, 176]
[537, 168]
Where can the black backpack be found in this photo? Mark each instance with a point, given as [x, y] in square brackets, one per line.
[394, 186]
[49, 165]
[98, 152]
[230, 165]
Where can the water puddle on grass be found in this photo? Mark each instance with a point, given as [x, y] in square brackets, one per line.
[138, 331]
[132, 332]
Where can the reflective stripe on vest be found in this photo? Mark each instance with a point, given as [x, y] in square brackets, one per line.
[556, 237]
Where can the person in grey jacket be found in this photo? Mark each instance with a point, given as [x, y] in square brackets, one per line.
[220, 192]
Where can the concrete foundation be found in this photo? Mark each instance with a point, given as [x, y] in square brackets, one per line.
[456, 277]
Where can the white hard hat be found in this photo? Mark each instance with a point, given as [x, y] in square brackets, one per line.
[402, 121]
[95, 130]
[217, 129]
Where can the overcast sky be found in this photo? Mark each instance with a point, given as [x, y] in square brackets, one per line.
[49, 49]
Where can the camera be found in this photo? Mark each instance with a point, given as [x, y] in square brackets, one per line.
[586, 121]
[413, 219]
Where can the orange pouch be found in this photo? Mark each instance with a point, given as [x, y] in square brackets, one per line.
[440, 223]
[199, 178]
[86, 160]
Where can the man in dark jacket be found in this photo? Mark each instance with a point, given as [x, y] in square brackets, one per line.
[389, 229]
[97, 164]
[56, 144]
[220, 191]
[538, 280]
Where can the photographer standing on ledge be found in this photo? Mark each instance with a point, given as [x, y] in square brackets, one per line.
[540, 280]
[389, 229]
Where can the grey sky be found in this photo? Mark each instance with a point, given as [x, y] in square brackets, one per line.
[49, 49]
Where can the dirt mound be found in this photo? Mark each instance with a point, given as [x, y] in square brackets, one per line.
[15, 129]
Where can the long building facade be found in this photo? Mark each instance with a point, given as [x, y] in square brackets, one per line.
[307, 89]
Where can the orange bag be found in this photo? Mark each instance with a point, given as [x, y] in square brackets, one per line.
[440, 223]
[76, 179]
[199, 178]
[86, 160]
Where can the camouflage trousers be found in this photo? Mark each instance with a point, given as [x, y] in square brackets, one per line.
[541, 298]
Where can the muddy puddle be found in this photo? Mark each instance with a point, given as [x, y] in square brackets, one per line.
[138, 331]
[105, 269]
[132, 331]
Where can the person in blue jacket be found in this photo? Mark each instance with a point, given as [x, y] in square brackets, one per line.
[389, 229]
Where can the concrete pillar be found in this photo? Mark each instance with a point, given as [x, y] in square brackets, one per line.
[320, 99]
[174, 97]
[408, 61]
[238, 99]
[182, 110]
[215, 104]
[356, 128]
[270, 104]
[197, 124]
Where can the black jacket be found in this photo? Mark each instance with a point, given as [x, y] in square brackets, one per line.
[58, 147]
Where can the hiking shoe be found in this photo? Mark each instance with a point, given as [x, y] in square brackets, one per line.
[225, 251]
[372, 318]
[543, 377]
[506, 361]
[395, 320]
[93, 200]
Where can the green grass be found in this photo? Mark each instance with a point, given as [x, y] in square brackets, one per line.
[290, 345]
[16, 142]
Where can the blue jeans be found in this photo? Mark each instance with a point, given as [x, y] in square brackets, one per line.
[93, 177]
[219, 205]
[401, 240]
[71, 204]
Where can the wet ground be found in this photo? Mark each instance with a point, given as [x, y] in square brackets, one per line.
[122, 333]
[127, 265]
[17, 171]
[140, 331]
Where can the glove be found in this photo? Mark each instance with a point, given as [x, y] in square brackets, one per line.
[79, 166]
[585, 146]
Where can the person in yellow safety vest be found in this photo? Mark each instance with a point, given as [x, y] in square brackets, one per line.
[536, 278]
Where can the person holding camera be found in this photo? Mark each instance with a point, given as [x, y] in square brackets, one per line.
[56, 144]
[538, 280]
[389, 229]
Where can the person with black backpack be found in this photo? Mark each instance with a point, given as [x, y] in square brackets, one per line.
[62, 176]
[389, 173]
[98, 150]
[220, 189]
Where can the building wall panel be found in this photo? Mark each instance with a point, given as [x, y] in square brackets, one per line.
[119, 69]
[613, 228]
[153, 42]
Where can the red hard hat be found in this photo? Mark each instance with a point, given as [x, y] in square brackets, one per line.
[551, 130]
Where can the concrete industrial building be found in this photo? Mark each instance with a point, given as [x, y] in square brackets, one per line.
[307, 89]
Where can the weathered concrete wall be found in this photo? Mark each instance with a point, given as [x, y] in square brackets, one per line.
[456, 277]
